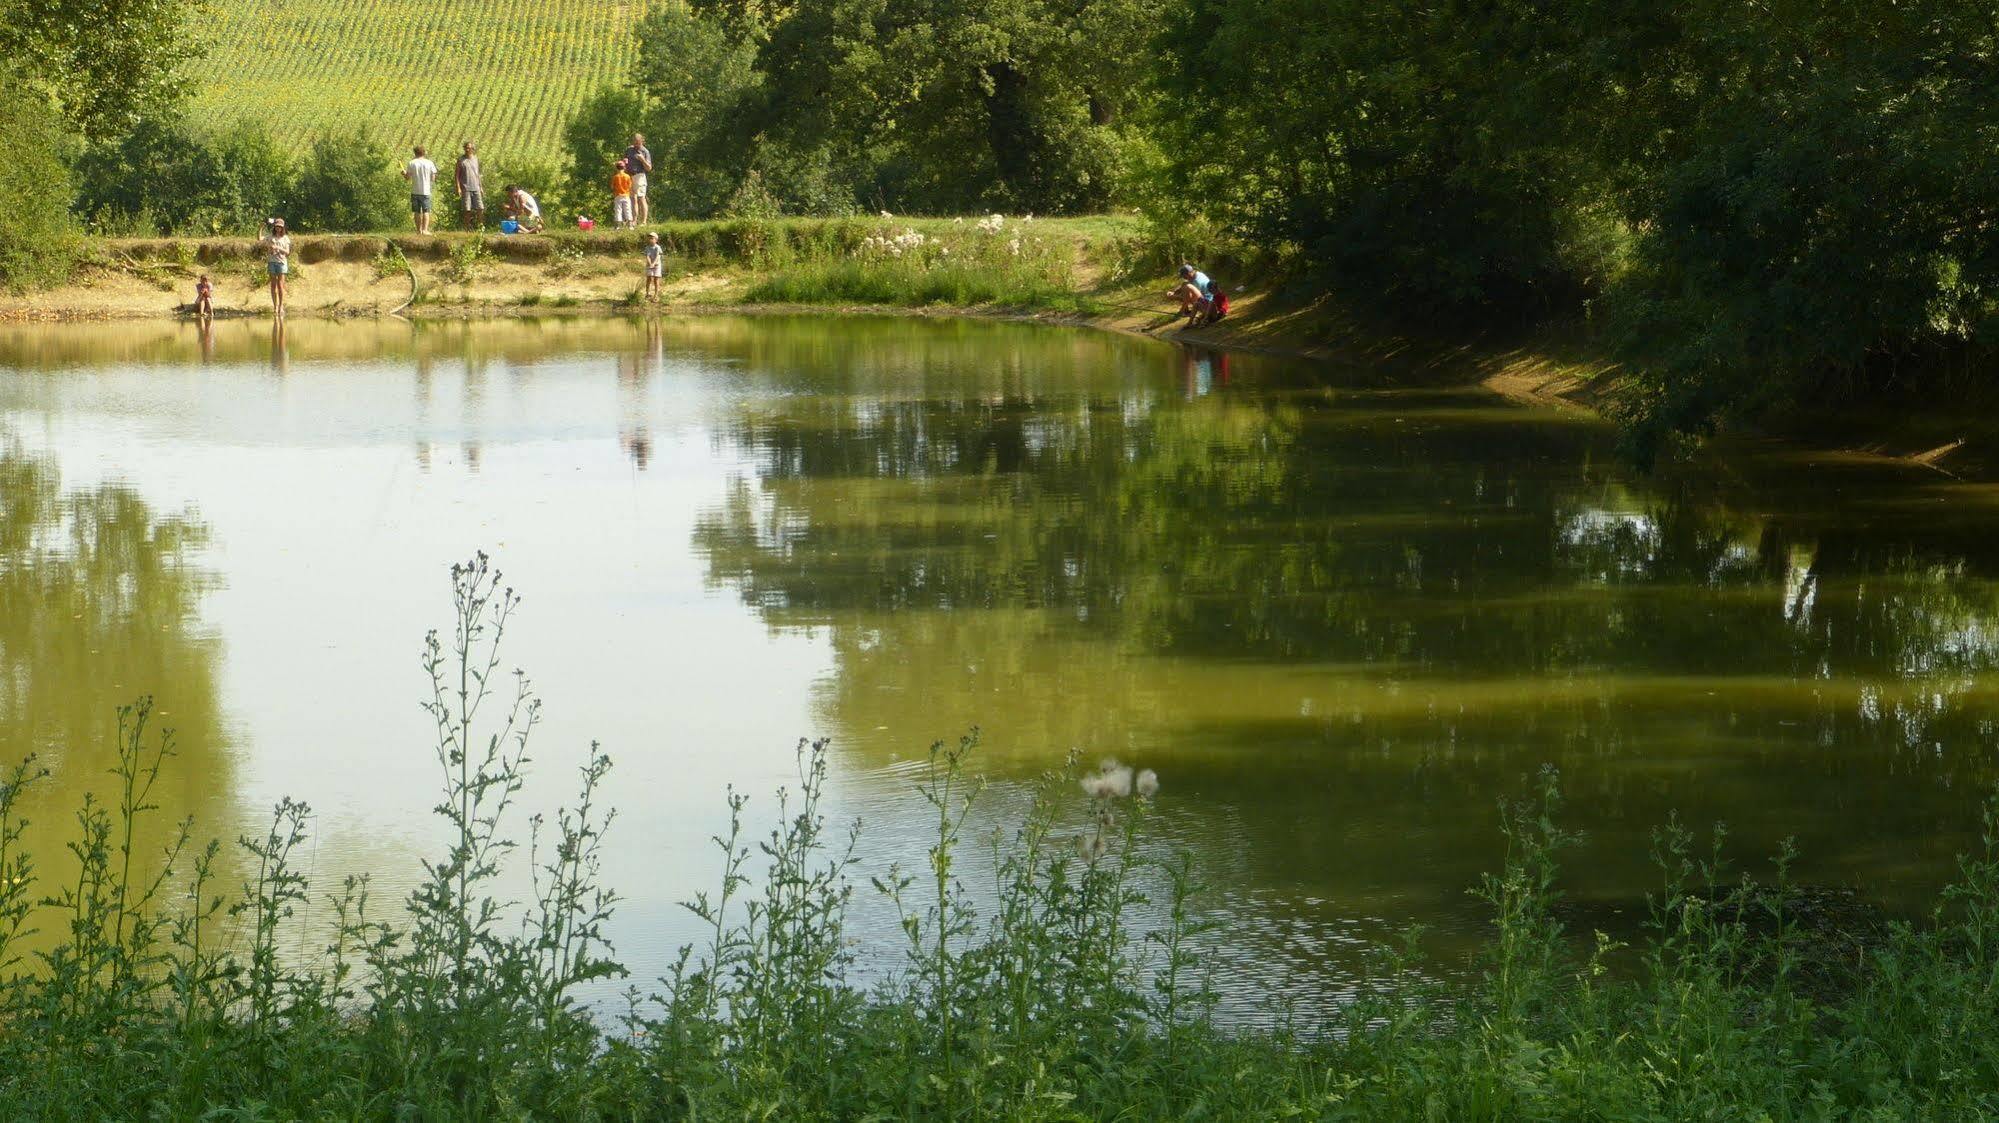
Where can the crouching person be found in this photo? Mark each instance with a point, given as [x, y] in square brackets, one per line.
[1195, 292]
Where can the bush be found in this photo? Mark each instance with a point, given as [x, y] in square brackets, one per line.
[348, 183]
[163, 177]
[37, 238]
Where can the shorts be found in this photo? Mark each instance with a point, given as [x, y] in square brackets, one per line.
[655, 270]
[472, 201]
[621, 208]
[420, 204]
[277, 268]
[639, 186]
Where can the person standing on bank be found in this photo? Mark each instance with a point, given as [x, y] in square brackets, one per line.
[277, 247]
[471, 193]
[621, 197]
[638, 161]
[422, 174]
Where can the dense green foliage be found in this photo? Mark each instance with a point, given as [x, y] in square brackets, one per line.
[106, 64]
[1816, 199]
[1761, 201]
[348, 182]
[163, 177]
[73, 70]
[140, 980]
[36, 238]
[839, 105]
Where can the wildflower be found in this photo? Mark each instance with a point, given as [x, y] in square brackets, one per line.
[1098, 787]
[1148, 784]
[1111, 780]
[1091, 846]
[885, 214]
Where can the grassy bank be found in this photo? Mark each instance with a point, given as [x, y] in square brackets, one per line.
[1107, 271]
[1019, 264]
[135, 984]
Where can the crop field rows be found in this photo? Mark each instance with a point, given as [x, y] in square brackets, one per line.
[505, 77]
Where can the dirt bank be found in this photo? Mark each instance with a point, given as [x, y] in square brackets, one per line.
[710, 268]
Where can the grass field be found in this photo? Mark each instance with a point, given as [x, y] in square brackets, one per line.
[505, 77]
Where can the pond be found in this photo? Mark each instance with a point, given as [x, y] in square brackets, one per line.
[1342, 619]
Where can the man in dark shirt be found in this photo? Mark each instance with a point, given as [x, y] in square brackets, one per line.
[638, 161]
[471, 192]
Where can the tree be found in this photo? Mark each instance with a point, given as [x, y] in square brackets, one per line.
[348, 183]
[37, 239]
[105, 63]
[828, 106]
[1817, 188]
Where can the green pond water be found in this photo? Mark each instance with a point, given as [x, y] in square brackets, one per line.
[1341, 619]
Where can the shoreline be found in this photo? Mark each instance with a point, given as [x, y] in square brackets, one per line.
[338, 278]
[342, 277]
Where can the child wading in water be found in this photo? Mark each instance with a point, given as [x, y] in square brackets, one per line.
[655, 268]
[203, 292]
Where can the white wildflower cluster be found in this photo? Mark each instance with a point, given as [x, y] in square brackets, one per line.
[1111, 782]
[992, 224]
[893, 245]
[1117, 781]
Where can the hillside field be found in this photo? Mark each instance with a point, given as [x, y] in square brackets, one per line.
[503, 76]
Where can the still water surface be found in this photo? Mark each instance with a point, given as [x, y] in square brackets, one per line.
[1341, 619]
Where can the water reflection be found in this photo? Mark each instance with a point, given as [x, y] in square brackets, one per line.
[1344, 623]
[1341, 619]
[98, 606]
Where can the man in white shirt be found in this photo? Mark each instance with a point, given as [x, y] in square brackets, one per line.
[421, 173]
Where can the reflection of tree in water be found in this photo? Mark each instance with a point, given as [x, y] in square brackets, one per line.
[98, 607]
[1230, 526]
[1359, 618]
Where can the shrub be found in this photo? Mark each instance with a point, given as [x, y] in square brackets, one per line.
[348, 183]
[37, 238]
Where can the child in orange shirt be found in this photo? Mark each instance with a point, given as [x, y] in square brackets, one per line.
[621, 197]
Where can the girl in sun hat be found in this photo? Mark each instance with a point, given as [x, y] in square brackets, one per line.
[277, 248]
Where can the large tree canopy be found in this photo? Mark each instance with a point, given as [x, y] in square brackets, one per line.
[106, 63]
[1763, 199]
[917, 105]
